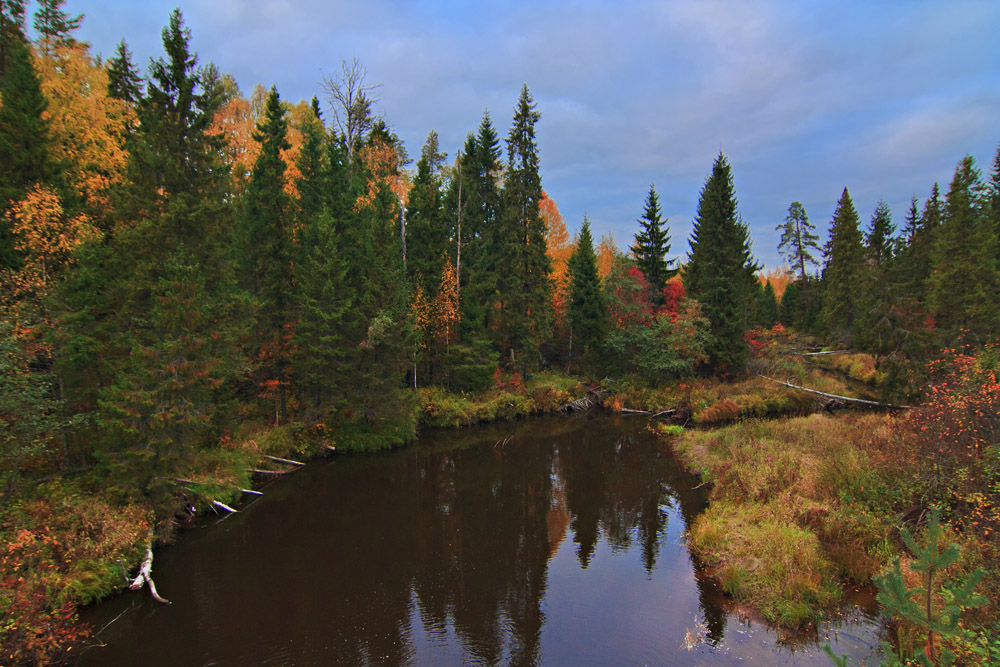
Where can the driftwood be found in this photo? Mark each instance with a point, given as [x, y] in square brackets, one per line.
[146, 576]
[331, 448]
[224, 506]
[663, 413]
[846, 399]
[252, 492]
[629, 411]
[258, 471]
[288, 461]
[579, 405]
[820, 354]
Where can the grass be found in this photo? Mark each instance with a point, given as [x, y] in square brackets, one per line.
[792, 508]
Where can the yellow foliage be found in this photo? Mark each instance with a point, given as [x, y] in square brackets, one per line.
[87, 128]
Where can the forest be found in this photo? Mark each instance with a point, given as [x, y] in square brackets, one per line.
[195, 279]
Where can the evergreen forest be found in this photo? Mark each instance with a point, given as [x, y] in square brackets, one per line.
[199, 282]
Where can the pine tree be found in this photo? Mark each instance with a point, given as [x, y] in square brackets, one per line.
[54, 25]
[522, 267]
[844, 270]
[588, 313]
[652, 243]
[720, 272]
[124, 81]
[798, 239]
[963, 285]
[264, 240]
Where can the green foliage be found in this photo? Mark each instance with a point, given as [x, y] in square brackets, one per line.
[124, 81]
[720, 271]
[524, 315]
[588, 314]
[652, 243]
[798, 239]
[842, 273]
[428, 236]
[956, 596]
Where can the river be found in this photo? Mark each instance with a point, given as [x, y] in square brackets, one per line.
[551, 541]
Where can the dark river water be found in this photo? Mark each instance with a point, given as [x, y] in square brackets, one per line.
[552, 541]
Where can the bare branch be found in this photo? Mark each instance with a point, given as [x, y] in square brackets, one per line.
[351, 100]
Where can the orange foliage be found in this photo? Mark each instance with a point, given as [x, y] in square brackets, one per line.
[237, 122]
[87, 128]
[382, 162]
[446, 311]
[779, 279]
[558, 247]
[673, 294]
[421, 309]
[45, 237]
[606, 251]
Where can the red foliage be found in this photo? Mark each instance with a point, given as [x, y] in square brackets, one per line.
[673, 294]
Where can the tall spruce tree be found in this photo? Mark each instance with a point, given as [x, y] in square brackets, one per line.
[157, 305]
[843, 272]
[523, 268]
[588, 312]
[876, 295]
[652, 243]
[265, 252]
[963, 285]
[720, 272]
[427, 232]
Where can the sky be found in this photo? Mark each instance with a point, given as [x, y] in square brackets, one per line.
[804, 98]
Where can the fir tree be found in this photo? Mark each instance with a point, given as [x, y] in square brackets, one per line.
[124, 81]
[844, 270]
[652, 243]
[963, 285]
[768, 314]
[522, 267]
[879, 236]
[11, 30]
[788, 309]
[720, 272]
[875, 294]
[588, 313]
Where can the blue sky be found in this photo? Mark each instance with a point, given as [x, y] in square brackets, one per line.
[804, 98]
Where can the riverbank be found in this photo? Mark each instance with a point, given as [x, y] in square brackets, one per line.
[802, 507]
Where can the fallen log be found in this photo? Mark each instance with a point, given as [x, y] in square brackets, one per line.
[258, 471]
[846, 399]
[279, 460]
[629, 411]
[579, 405]
[252, 492]
[819, 354]
[662, 413]
[146, 575]
[224, 506]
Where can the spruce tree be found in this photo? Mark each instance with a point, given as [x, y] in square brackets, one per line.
[768, 313]
[124, 81]
[588, 313]
[24, 156]
[11, 30]
[157, 305]
[522, 267]
[427, 233]
[788, 309]
[876, 296]
[963, 285]
[720, 272]
[264, 252]
[843, 272]
[879, 236]
[652, 243]
[54, 25]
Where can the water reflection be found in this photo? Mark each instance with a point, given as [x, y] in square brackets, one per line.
[552, 541]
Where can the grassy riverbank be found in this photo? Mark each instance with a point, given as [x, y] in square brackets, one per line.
[802, 506]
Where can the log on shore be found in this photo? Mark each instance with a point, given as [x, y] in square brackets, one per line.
[251, 492]
[280, 460]
[224, 506]
[146, 576]
[258, 471]
[820, 354]
[846, 399]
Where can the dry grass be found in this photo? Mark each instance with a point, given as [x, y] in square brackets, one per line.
[785, 516]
